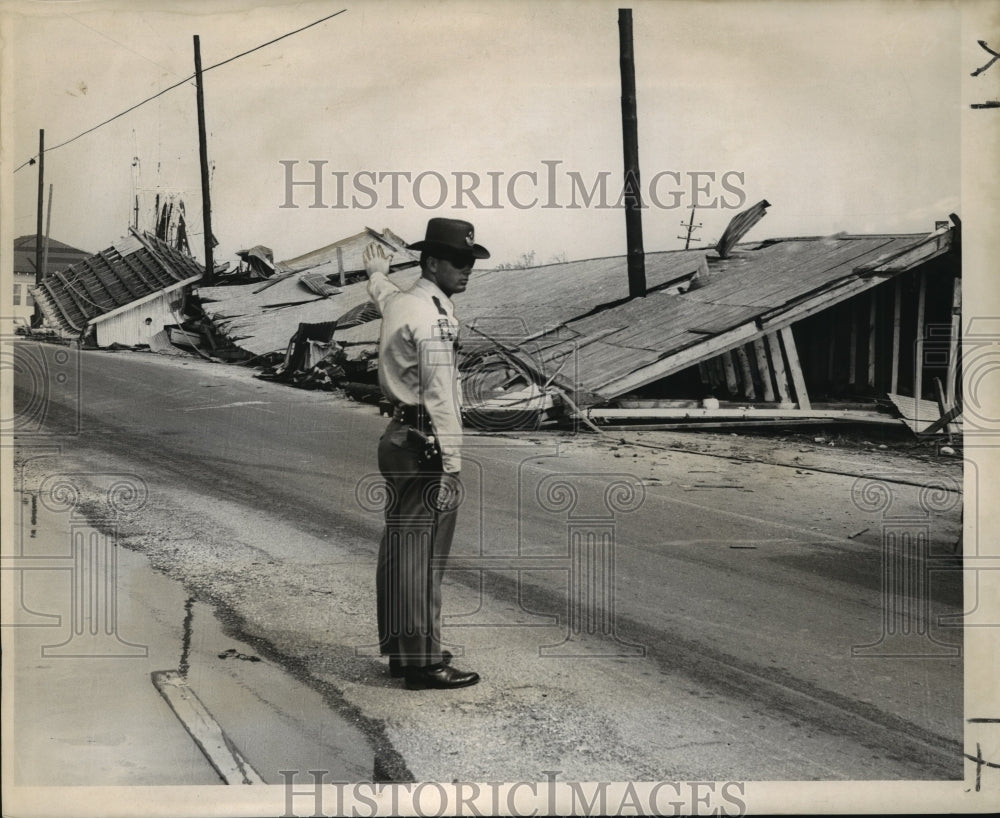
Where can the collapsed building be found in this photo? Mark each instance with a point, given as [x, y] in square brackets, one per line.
[315, 288]
[842, 328]
[124, 295]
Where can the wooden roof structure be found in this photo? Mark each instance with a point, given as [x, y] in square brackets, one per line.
[137, 268]
[759, 289]
[512, 305]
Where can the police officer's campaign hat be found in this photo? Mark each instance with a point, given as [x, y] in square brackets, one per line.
[452, 236]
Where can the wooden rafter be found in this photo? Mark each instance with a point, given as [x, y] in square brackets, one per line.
[795, 366]
[778, 366]
[68, 289]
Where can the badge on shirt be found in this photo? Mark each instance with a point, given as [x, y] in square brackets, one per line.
[444, 330]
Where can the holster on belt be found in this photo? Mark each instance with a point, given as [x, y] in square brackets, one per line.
[420, 435]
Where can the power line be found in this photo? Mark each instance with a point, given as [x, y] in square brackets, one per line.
[178, 84]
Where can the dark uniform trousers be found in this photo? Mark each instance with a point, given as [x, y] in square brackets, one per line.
[412, 553]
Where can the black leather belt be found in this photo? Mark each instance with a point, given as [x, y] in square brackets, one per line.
[410, 414]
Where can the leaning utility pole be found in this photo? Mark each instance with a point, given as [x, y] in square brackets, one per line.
[630, 138]
[36, 318]
[206, 203]
[691, 227]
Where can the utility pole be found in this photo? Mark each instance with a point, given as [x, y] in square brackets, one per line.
[630, 139]
[206, 203]
[691, 226]
[36, 318]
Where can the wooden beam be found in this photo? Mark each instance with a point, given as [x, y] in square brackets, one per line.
[92, 292]
[831, 356]
[947, 419]
[703, 373]
[120, 270]
[853, 354]
[729, 370]
[918, 364]
[778, 365]
[939, 397]
[805, 420]
[872, 323]
[836, 294]
[105, 285]
[798, 376]
[754, 413]
[154, 253]
[47, 293]
[764, 369]
[897, 301]
[933, 245]
[954, 342]
[68, 289]
[679, 360]
[746, 373]
[718, 375]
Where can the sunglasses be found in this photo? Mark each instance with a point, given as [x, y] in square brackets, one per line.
[459, 260]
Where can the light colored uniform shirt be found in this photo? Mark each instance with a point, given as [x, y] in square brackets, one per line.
[417, 360]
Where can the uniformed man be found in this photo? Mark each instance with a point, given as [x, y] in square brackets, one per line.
[420, 452]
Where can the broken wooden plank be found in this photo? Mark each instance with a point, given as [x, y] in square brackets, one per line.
[224, 757]
[798, 377]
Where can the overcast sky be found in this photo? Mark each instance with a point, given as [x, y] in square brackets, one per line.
[845, 116]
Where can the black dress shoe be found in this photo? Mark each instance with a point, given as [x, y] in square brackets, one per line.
[396, 668]
[439, 677]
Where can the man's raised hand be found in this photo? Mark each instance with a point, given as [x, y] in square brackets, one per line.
[375, 259]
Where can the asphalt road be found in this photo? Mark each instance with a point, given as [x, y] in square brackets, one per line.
[635, 613]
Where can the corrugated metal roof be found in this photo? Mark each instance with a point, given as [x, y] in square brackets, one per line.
[133, 269]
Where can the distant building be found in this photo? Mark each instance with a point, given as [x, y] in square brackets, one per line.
[60, 256]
